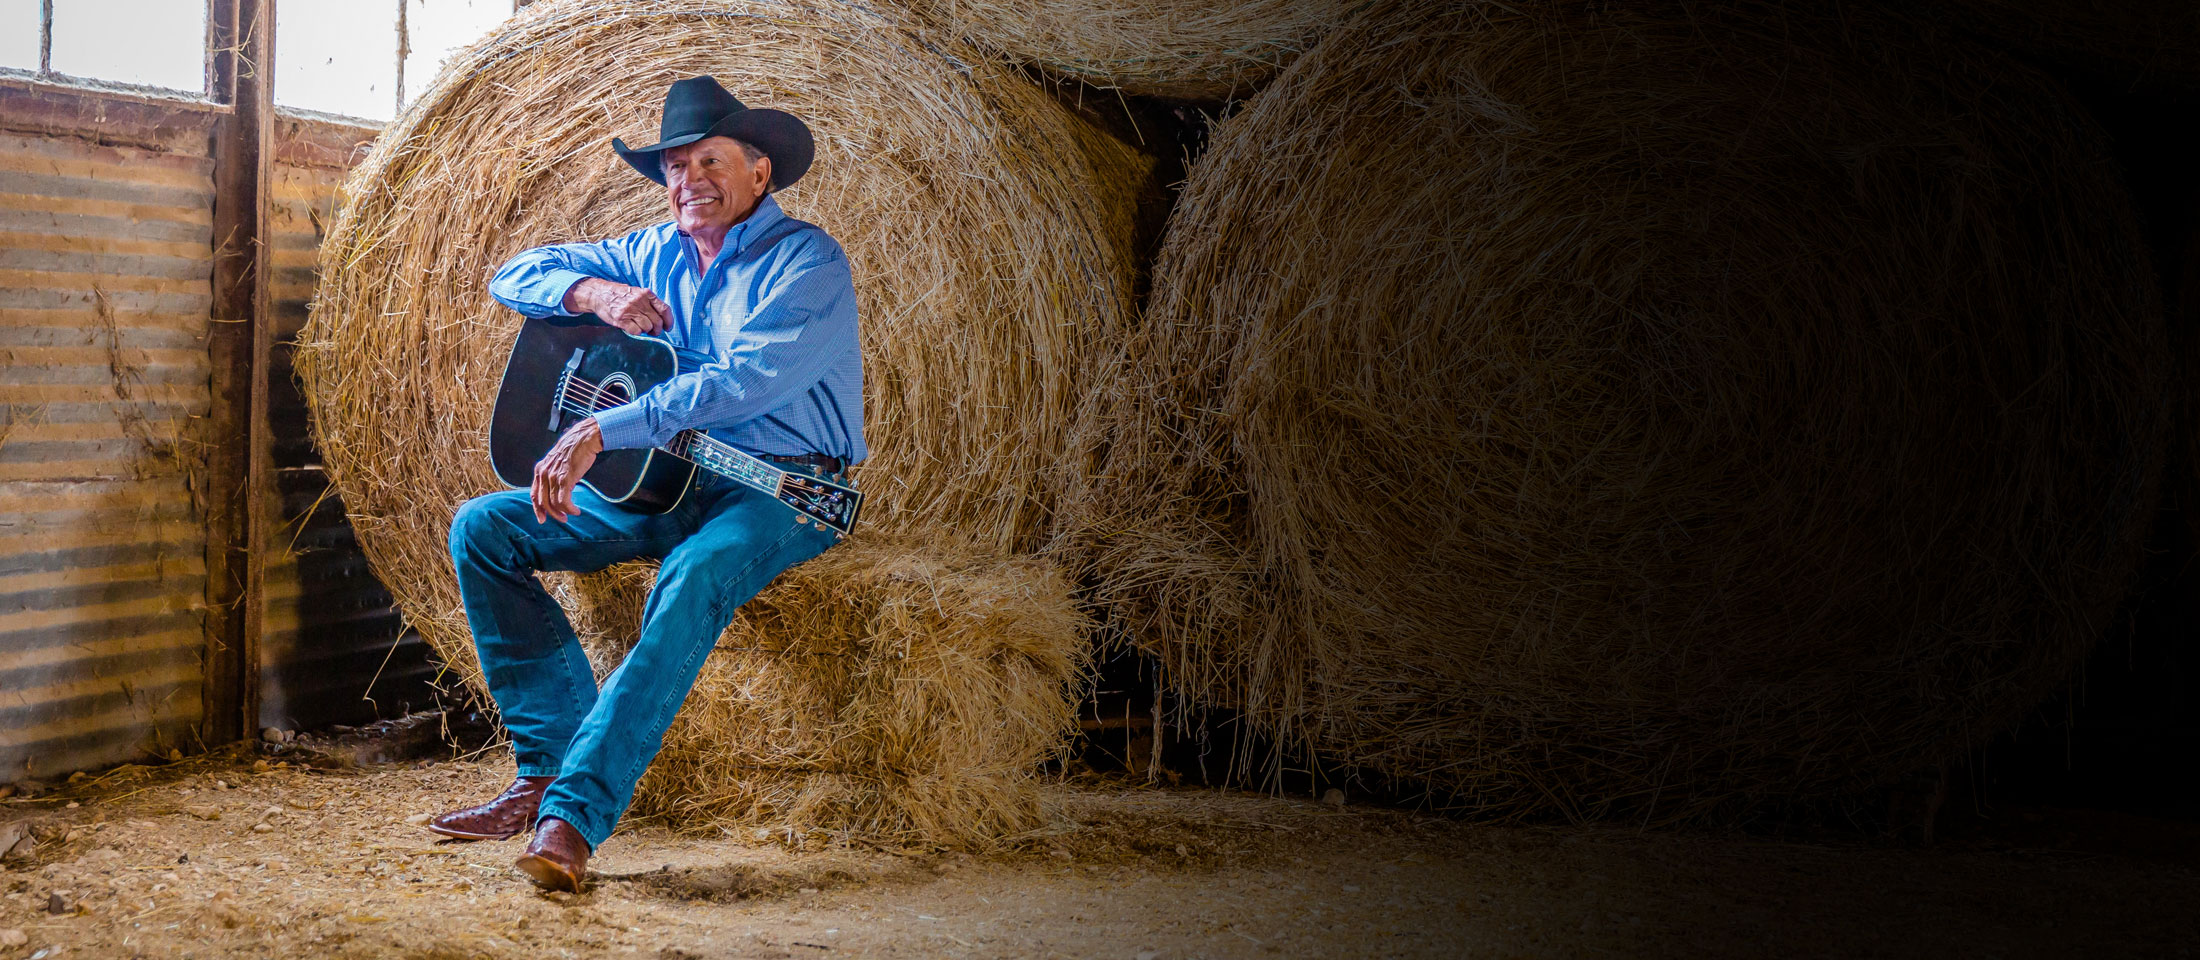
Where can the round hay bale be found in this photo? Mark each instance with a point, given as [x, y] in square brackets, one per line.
[1162, 48]
[988, 229]
[902, 691]
[1582, 410]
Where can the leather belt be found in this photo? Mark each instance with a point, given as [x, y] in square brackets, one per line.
[823, 462]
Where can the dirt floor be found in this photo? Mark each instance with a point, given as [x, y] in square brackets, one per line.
[237, 857]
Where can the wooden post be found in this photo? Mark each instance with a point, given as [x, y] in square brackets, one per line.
[45, 38]
[240, 346]
[1153, 766]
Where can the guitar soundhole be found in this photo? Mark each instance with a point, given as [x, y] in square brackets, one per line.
[616, 389]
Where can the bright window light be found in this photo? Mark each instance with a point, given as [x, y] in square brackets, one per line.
[337, 57]
[19, 34]
[157, 43]
[435, 28]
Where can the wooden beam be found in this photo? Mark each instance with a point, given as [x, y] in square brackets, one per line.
[314, 142]
[105, 117]
[240, 347]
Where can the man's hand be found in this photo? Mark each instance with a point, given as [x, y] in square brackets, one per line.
[632, 309]
[561, 468]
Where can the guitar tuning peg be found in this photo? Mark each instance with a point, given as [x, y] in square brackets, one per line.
[821, 528]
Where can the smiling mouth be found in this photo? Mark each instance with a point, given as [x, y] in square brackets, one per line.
[699, 201]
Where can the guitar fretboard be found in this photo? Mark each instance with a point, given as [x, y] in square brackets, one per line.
[724, 460]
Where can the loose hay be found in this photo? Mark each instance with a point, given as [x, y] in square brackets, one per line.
[1588, 411]
[988, 228]
[1164, 48]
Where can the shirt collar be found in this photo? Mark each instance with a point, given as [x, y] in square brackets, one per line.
[767, 212]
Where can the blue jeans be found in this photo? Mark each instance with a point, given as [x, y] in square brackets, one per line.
[719, 548]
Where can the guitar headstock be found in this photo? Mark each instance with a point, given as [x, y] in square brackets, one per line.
[822, 501]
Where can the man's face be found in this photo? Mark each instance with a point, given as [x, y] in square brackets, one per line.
[711, 185]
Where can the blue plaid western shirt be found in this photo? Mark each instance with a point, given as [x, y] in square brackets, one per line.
[766, 336]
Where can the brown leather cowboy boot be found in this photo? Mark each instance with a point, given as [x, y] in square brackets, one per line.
[557, 859]
[500, 819]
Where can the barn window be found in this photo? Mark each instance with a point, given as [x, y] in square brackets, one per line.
[19, 34]
[164, 47]
[369, 59]
[337, 58]
[363, 59]
[433, 29]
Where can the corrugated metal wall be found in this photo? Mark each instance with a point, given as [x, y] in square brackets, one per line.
[332, 650]
[105, 271]
[106, 264]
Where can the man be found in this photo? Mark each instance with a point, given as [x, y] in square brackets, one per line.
[761, 311]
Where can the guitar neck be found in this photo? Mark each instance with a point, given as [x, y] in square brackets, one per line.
[724, 461]
[832, 505]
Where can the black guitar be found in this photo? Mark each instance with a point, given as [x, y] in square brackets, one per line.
[565, 369]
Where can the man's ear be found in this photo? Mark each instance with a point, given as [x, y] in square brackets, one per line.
[765, 164]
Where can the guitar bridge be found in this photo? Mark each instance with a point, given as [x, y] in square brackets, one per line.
[565, 381]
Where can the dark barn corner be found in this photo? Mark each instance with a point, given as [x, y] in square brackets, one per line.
[1407, 478]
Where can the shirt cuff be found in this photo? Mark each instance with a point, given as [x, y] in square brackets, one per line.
[624, 427]
[561, 280]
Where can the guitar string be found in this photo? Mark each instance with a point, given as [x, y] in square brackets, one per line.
[832, 511]
[596, 393]
[592, 393]
[807, 505]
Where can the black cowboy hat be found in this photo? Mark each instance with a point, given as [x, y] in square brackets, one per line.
[698, 107]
